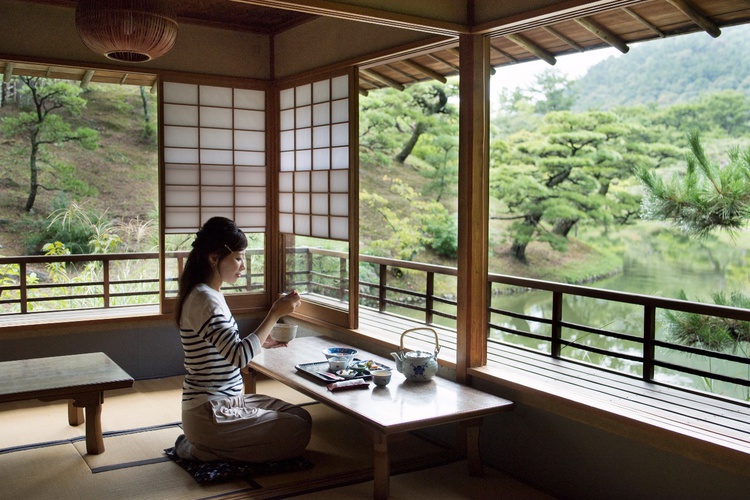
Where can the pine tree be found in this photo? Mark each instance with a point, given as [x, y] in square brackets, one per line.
[42, 123]
[709, 197]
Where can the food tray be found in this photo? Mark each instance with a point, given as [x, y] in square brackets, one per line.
[318, 369]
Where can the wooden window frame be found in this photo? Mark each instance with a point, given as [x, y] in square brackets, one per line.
[313, 311]
[241, 302]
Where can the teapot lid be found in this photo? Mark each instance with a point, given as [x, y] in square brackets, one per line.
[417, 354]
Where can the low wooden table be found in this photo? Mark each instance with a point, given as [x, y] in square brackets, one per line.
[399, 407]
[81, 378]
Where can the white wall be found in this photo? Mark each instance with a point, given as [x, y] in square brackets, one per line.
[326, 41]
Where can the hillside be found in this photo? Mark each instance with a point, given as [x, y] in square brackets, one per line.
[669, 71]
[119, 177]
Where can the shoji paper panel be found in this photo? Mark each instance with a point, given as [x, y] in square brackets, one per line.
[214, 156]
[314, 142]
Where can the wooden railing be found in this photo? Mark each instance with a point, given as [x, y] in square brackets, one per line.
[652, 356]
[649, 354]
[651, 351]
[39, 283]
[330, 280]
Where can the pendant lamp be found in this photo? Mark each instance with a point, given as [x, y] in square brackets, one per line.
[127, 30]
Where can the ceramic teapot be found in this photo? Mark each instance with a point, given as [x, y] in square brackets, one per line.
[419, 366]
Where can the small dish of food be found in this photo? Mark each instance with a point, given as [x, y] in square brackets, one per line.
[347, 373]
[367, 366]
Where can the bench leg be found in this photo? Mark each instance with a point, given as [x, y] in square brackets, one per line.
[94, 438]
[92, 402]
[75, 414]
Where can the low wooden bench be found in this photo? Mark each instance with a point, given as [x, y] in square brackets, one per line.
[80, 378]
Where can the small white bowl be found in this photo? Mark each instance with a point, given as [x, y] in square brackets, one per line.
[381, 377]
[337, 363]
[340, 351]
[284, 332]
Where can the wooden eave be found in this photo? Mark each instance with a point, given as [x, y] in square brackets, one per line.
[85, 76]
[639, 22]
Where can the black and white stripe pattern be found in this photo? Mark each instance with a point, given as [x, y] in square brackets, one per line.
[214, 351]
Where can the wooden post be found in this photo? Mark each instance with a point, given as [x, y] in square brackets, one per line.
[473, 203]
[429, 299]
[381, 289]
[105, 282]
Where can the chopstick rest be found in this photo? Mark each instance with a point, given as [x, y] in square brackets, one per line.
[348, 384]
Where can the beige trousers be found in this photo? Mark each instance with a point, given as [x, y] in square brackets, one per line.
[248, 428]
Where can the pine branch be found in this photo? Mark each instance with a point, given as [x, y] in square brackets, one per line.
[706, 199]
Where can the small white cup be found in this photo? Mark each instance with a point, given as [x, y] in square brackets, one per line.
[337, 363]
[381, 377]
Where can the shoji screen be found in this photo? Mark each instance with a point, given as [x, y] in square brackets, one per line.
[315, 157]
[318, 195]
[214, 156]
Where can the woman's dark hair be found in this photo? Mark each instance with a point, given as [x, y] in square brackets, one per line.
[218, 236]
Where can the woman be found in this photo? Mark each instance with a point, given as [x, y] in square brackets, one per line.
[220, 423]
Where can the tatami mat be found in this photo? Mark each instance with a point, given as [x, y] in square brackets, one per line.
[148, 403]
[449, 481]
[131, 449]
[342, 453]
[42, 457]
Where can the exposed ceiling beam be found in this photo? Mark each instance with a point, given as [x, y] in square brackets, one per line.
[382, 79]
[443, 61]
[604, 34]
[644, 22]
[503, 53]
[371, 81]
[425, 70]
[554, 32]
[705, 23]
[124, 77]
[363, 92]
[533, 48]
[87, 78]
[386, 15]
[8, 71]
[402, 72]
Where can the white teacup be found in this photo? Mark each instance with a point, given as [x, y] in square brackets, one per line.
[381, 377]
[283, 332]
[337, 363]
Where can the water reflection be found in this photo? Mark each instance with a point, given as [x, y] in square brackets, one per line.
[648, 275]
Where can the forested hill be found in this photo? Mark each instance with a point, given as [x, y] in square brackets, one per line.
[669, 71]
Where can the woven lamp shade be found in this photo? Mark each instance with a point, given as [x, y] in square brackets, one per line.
[127, 30]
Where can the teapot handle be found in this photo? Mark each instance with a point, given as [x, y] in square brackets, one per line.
[437, 342]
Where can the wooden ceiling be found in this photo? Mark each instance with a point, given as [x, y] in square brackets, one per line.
[619, 28]
[546, 40]
[223, 14]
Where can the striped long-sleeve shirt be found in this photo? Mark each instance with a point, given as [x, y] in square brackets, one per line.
[214, 351]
